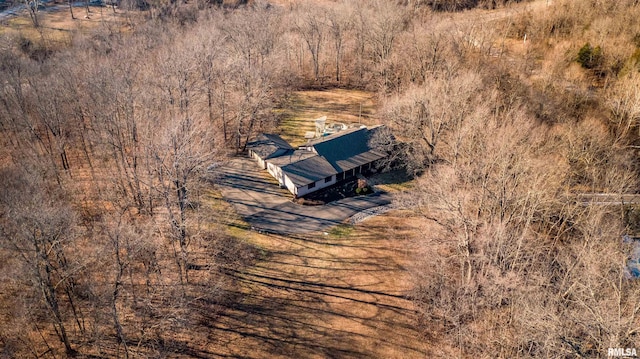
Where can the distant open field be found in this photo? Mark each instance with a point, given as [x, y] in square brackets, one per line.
[57, 26]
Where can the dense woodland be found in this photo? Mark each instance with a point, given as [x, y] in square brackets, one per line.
[503, 117]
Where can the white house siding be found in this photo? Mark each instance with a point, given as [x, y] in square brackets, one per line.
[275, 172]
[256, 157]
[262, 162]
[299, 191]
[283, 180]
[290, 186]
[305, 190]
[323, 184]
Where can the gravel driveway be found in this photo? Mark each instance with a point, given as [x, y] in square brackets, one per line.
[257, 197]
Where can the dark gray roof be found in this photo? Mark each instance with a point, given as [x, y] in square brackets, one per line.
[334, 135]
[266, 145]
[347, 149]
[359, 160]
[333, 154]
[291, 157]
[308, 170]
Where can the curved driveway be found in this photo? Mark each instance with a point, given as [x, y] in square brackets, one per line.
[257, 197]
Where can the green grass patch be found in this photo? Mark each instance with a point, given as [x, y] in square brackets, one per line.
[223, 215]
[396, 187]
[295, 122]
[394, 181]
[342, 231]
[222, 212]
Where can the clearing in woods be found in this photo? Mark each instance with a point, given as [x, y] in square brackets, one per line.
[336, 294]
[342, 294]
[339, 105]
[57, 27]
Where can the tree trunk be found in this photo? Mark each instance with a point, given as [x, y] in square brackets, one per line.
[71, 10]
[114, 297]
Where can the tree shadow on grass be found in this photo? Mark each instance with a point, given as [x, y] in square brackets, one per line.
[309, 296]
[298, 304]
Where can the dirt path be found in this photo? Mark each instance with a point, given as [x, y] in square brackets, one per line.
[339, 295]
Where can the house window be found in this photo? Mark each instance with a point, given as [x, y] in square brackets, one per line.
[311, 185]
[328, 179]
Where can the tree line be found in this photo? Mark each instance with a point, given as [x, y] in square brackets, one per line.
[502, 139]
[106, 247]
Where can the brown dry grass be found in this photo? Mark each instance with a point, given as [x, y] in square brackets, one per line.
[341, 293]
[56, 25]
[336, 294]
[339, 105]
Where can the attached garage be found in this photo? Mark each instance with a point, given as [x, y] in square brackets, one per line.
[267, 146]
[319, 163]
[302, 172]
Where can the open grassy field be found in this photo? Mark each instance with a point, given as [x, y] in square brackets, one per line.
[339, 105]
[338, 294]
[57, 26]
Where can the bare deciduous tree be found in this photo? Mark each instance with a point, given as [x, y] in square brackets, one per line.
[624, 102]
[181, 155]
[432, 116]
[312, 27]
[39, 228]
[339, 21]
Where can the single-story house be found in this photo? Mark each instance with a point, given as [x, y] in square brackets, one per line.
[267, 146]
[350, 151]
[319, 163]
[302, 172]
